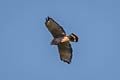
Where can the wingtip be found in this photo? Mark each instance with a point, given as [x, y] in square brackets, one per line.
[47, 18]
[66, 61]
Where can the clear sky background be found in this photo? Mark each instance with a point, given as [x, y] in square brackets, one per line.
[25, 50]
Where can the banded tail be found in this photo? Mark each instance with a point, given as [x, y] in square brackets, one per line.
[73, 37]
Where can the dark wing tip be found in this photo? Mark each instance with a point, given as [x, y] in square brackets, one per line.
[67, 61]
[48, 18]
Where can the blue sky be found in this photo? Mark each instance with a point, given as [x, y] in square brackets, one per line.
[25, 50]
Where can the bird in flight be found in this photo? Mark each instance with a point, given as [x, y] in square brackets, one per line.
[61, 39]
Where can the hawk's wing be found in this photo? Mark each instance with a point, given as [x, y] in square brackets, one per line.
[65, 51]
[55, 29]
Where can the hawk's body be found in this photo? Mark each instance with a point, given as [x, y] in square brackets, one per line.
[61, 40]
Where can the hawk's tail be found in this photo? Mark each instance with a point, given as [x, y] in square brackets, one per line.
[73, 37]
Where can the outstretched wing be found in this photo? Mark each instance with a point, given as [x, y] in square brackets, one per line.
[55, 29]
[65, 51]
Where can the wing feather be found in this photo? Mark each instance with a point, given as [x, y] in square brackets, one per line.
[55, 29]
[65, 51]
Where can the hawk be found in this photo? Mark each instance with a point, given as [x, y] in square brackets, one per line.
[61, 40]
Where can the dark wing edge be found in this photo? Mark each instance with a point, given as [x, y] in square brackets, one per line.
[65, 52]
[55, 29]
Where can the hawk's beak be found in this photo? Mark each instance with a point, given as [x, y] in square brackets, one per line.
[53, 42]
